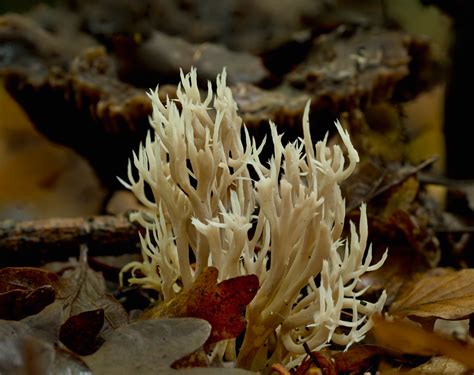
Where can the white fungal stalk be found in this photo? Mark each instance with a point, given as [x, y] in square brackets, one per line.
[210, 195]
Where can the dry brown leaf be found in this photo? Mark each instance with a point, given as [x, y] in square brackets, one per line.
[221, 304]
[409, 338]
[82, 290]
[358, 359]
[449, 295]
[80, 333]
[25, 291]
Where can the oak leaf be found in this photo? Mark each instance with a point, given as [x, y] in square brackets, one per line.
[221, 304]
[90, 312]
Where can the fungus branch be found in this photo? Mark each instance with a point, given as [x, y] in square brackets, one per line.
[285, 225]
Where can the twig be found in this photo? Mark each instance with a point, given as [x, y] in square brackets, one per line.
[39, 241]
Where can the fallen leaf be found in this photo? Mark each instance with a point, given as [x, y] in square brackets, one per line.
[358, 359]
[25, 291]
[362, 186]
[409, 338]
[449, 295]
[149, 346]
[221, 304]
[80, 332]
[83, 289]
[401, 197]
[28, 346]
[25, 278]
[400, 267]
[17, 304]
[374, 178]
[406, 244]
[317, 362]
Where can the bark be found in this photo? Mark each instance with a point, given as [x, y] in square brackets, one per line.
[41, 241]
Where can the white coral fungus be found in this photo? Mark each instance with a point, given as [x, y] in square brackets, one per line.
[210, 195]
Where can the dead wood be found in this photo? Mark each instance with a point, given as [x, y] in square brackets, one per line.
[41, 241]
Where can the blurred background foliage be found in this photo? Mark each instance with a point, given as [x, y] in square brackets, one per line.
[41, 179]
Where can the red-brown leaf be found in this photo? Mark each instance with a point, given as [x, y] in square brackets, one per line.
[222, 305]
[317, 362]
[80, 332]
[25, 291]
[358, 359]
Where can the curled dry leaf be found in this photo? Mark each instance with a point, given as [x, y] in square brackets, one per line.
[83, 289]
[25, 278]
[25, 291]
[221, 304]
[409, 338]
[80, 332]
[442, 294]
[89, 311]
[17, 304]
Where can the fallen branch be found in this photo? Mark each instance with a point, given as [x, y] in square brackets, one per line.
[40, 241]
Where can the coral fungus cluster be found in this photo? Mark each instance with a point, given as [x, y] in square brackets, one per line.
[211, 200]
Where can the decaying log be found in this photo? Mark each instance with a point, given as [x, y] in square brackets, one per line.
[86, 106]
[149, 61]
[257, 106]
[241, 25]
[346, 70]
[40, 241]
[349, 69]
[87, 109]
